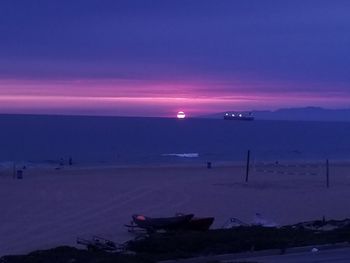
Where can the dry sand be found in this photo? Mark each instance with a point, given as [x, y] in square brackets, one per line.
[51, 207]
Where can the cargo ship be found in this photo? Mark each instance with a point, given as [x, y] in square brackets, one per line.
[239, 116]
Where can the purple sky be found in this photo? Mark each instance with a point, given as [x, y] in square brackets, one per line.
[154, 58]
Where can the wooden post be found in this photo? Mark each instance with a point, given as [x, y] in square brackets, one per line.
[247, 168]
[327, 173]
[14, 170]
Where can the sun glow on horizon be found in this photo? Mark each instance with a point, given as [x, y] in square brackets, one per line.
[181, 115]
[152, 98]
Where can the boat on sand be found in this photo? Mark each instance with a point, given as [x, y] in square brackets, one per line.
[177, 222]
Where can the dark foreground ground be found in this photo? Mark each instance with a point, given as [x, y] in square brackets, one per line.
[164, 246]
[332, 255]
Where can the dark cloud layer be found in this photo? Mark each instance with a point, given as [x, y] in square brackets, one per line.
[291, 41]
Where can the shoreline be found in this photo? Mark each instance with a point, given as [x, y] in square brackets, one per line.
[197, 164]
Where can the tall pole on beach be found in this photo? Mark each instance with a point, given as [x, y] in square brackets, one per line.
[14, 170]
[327, 173]
[247, 168]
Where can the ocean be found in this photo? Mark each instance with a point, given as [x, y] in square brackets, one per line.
[137, 140]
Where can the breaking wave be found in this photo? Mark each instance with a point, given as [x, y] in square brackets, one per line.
[183, 155]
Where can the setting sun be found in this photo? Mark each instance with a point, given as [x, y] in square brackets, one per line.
[180, 115]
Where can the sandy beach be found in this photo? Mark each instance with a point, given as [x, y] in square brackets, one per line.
[50, 207]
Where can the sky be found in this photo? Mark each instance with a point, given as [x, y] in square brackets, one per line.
[157, 57]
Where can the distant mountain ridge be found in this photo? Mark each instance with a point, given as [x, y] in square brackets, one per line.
[295, 114]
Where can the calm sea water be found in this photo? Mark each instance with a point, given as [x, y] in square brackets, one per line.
[153, 140]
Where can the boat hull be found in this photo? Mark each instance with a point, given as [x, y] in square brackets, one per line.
[166, 223]
[200, 224]
[243, 118]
